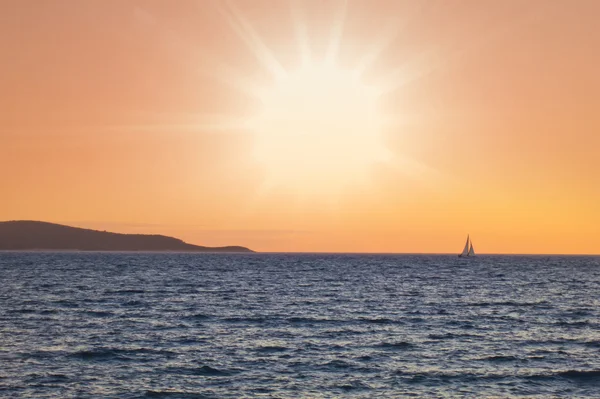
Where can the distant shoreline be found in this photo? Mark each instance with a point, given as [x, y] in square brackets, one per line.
[27, 235]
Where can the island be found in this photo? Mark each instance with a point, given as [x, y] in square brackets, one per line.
[22, 235]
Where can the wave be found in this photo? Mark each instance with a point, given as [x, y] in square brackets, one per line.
[197, 316]
[271, 349]
[304, 320]
[441, 337]
[47, 378]
[353, 386]
[313, 320]
[291, 320]
[395, 345]
[22, 311]
[98, 313]
[99, 354]
[125, 291]
[546, 342]
[105, 354]
[580, 376]
[66, 303]
[175, 395]
[501, 358]
[592, 344]
[207, 370]
[580, 313]
[337, 364]
[376, 320]
[132, 303]
[49, 311]
[505, 303]
[410, 293]
[182, 339]
[257, 319]
[564, 323]
[194, 340]
[203, 370]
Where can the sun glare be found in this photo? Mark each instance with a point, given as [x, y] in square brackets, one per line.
[318, 130]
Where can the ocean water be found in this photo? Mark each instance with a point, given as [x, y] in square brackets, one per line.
[124, 325]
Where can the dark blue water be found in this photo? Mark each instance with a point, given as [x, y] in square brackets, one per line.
[79, 325]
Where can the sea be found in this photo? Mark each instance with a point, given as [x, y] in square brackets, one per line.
[176, 325]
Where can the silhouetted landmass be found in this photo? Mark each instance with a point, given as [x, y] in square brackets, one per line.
[32, 235]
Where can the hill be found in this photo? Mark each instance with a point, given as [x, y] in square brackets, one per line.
[32, 235]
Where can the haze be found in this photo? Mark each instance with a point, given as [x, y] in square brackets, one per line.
[360, 126]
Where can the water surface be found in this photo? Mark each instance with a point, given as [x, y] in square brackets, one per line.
[119, 325]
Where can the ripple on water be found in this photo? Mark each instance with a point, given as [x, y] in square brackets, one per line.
[176, 395]
[202, 370]
[287, 326]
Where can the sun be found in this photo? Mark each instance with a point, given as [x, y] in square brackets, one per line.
[316, 127]
[318, 130]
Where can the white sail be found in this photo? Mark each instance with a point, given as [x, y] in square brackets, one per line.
[465, 251]
[471, 251]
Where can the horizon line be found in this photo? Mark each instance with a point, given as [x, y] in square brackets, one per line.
[293, 252]
[274, 252]
[428, 253]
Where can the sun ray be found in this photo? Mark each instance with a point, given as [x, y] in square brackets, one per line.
[230, 76]
[203, 123]
[390, 32]
[421, 65]
[336, 33]
[203, 62]
[301, 33]
[324, 178]
[251, 38]
[447, 56]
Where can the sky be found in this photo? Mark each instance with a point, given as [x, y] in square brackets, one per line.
[320, 126]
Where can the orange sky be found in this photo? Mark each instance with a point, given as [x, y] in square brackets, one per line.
[124, 115]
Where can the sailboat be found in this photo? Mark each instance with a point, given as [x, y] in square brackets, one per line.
[468, 249]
